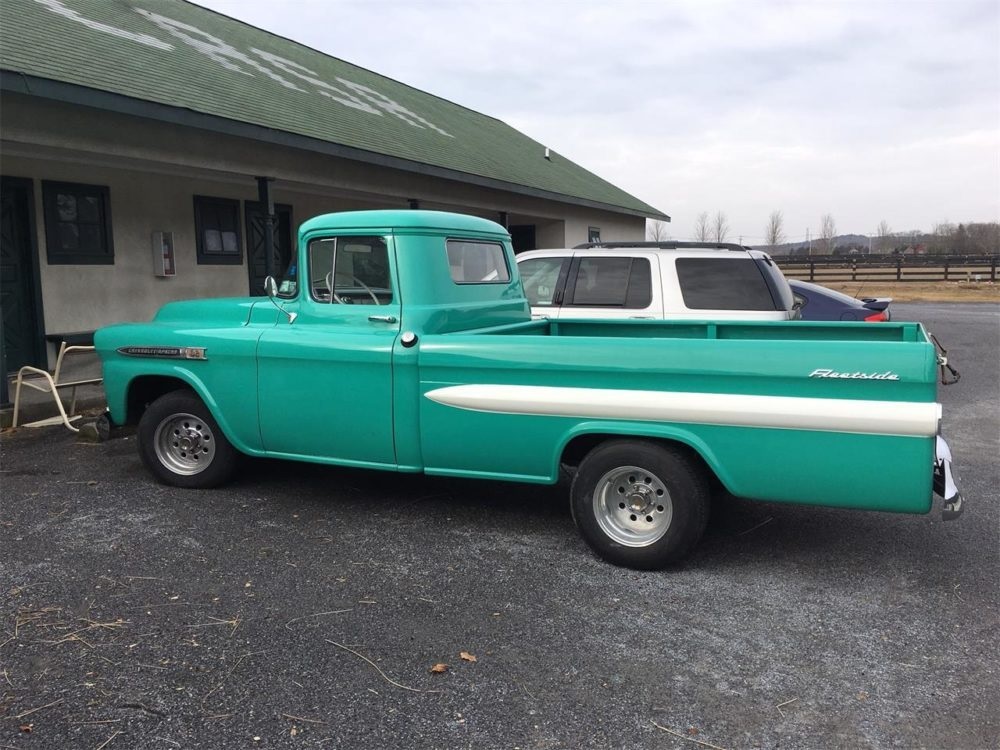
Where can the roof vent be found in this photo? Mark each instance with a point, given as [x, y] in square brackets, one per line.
[547, 155]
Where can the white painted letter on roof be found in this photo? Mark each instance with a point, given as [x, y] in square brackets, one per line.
[215, 48]
[392, 107]
[74, 15]
[300, 71]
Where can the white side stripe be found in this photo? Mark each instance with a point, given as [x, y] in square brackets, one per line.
[910, 418]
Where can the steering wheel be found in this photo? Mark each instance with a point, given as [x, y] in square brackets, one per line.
[334, 297]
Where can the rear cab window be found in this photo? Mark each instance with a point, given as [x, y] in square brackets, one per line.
[477, 262]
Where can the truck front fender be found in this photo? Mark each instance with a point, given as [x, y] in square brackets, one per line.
[158, 378]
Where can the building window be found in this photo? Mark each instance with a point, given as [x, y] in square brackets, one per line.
[217, 231]
[593, 234]
[77, 224]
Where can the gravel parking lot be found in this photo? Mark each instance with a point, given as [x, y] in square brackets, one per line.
[305, 606]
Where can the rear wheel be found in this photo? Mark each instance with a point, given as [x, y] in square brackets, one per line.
[181, 443]
[640, 504]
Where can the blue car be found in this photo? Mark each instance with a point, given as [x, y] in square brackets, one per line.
[815, 302]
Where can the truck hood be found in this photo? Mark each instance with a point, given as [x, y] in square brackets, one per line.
[175, 317]
[209, 313]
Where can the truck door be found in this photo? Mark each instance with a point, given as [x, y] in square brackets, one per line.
[613, 286]
[325, 379]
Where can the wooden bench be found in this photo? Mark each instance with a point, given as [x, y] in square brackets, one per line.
[70, 344]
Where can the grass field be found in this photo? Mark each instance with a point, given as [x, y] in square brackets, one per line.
[921, 283]
[921, 291]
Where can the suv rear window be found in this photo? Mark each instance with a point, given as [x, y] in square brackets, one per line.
[723, 284]
[612, 282]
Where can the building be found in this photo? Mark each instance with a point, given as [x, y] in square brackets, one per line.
[143, 143]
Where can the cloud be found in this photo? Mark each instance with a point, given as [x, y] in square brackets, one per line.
[864, 110]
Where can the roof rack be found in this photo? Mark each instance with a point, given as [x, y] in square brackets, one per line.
[664, 245]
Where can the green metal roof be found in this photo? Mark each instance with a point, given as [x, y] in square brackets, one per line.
[193, 60]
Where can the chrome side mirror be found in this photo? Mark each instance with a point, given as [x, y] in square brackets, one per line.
[271, 288]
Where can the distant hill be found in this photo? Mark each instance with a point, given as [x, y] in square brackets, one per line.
[974, 238]
[842, 243]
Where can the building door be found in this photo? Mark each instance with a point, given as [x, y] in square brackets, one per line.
[256, 261]
[522, 237]
[20, 300]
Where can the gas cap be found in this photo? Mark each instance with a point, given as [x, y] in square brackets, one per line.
[408, 339]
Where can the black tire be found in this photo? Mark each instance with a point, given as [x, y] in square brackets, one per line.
[181, 443]
[621, 484]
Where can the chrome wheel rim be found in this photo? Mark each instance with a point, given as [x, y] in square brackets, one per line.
[632, 506]
[184, 444]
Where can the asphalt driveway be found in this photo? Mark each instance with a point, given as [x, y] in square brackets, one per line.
[304, 606]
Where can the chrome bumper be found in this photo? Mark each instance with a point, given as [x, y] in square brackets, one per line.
[945, 485]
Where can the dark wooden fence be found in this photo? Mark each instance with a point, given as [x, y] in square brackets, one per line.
[889, 268]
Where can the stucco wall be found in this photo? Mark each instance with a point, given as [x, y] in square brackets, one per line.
[153, 170]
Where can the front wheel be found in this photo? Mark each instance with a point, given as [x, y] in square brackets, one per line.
[640, 504]
[181, 443]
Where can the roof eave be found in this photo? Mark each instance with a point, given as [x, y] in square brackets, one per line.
[69, 93]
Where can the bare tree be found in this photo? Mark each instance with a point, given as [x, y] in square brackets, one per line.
[657, 230]
[827, 231]
[720, 227]
[943, 239]
[774, 233]
[701, 227]
[884, 235]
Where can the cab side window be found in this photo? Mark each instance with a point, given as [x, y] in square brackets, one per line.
[350, 270]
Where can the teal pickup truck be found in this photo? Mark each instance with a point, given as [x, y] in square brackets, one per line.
[402, 340]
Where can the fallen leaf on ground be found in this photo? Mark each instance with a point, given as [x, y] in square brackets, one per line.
[439, 668]
[26, 728]
[466, 656]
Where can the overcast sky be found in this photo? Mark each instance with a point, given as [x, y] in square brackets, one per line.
[865, 110]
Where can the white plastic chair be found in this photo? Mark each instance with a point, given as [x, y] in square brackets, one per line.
[46, 382]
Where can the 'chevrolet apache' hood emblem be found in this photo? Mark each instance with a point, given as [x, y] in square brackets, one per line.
[824, 373]
[166, 352]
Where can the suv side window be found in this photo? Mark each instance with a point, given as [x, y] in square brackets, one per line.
[723, 284]
[612, 282]
[540, 277]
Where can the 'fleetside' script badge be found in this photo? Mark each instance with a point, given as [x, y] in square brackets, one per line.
[824, 373]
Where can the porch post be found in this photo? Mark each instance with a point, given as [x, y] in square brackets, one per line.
[264, 196]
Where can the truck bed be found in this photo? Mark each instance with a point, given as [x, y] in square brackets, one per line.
[793, 412]
[686, 329]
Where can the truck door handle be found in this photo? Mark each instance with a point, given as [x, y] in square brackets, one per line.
[382, 318]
